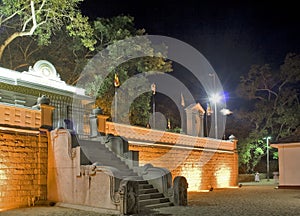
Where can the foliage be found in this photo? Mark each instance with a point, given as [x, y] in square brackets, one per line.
[71, 52]
[40, 19]
[138, 87]
[274, 106]
[109, 34]
[175, 130]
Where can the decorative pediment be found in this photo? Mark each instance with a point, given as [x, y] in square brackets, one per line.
[44, 69]
[42, 77]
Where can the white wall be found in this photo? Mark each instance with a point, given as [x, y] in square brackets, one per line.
[289, 161]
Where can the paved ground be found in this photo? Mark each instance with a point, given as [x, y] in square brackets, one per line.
[251, 199]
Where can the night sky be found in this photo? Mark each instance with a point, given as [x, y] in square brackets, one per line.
[232, 35]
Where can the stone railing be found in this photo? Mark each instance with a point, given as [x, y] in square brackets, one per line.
[150, 135]
[25, 117]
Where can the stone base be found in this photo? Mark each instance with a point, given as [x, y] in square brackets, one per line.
[289, 187]
[88, 208]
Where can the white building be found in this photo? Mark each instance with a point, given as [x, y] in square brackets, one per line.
[289, 160]
[23, 88]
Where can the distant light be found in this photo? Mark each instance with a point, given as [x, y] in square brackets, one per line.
[215, 98]
[226, 111]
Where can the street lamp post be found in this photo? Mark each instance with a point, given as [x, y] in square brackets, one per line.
[215, 99]
[216, 119]
[268, 162]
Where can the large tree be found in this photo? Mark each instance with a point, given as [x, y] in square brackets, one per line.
[129, 71]
[272, 106]
[70, 56]
[40, 19]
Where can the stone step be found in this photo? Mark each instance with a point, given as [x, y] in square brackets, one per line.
[143, 182]
[156, 201]
[158, 205]
[145, 186]
[153, 201]
[148, 190]
[150, 196]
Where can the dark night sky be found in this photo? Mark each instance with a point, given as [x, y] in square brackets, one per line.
[232, 35]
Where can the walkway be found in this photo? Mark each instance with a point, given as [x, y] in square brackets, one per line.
[251, 199]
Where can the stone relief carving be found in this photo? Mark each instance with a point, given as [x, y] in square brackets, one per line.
[129, 195]
[180, 191]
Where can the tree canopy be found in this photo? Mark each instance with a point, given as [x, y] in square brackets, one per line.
[273, 106]
[40, 19]
[58, 32]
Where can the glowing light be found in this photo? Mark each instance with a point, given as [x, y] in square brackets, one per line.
[2, 172]
[223, 177]
[203, 191]
[225, 111]
[193, 177]
[215, 98]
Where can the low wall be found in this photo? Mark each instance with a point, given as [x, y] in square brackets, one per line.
[202, 170]
[204, 162]
[23, 168]
[73, 185]
[23, 155]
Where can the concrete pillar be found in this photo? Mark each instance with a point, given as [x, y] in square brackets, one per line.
[102, 123]
[46, 116]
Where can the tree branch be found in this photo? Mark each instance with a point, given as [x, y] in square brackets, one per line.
[268, 90]
[11, 16]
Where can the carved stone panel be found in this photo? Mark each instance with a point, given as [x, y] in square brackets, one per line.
[180, 191]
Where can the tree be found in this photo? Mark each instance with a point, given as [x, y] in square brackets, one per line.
[40, 19]
[70, 53]
[273, 106]
[103, 88]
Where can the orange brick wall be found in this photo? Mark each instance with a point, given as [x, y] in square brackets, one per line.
[202, 170]
[23, 168]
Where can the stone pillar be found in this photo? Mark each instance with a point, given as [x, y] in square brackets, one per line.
[46, 116]
[102, 123]
[93, 126]
[118, 145]
[201, 129]
[180, 186]
[133, 159]
[190, 123]
[194, 120]
[129, 194]
[97, 124]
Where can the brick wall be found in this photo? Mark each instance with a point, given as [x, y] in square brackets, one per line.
[202, 169]
[203, 161]
[23, 167]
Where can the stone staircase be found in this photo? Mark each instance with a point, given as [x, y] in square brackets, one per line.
[95, 152]
[150, 197]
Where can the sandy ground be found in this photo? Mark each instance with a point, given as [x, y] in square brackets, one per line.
[251, 199]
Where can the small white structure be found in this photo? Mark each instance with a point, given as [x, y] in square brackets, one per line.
[289, 160]
[194, 120]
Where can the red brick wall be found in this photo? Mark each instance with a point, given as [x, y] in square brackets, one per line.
[23, 168]
[203, 170]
